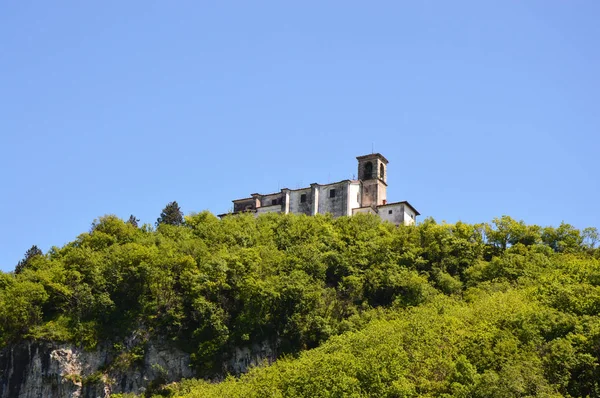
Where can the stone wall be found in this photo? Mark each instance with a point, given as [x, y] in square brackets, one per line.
[393, 213]
[296, 204]
[244, 205]
[337, 205]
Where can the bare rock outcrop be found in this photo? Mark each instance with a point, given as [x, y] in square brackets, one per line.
[46, 369]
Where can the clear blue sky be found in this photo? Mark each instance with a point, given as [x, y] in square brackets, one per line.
[119, 107]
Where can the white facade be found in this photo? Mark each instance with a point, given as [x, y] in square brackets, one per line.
[368, 194]
[354, 197]
[398, 213]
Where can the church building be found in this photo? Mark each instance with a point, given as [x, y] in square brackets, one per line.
[367, 194]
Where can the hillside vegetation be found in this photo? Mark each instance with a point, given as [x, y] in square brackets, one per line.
[357, 307]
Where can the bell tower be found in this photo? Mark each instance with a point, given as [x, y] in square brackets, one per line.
[372, 171]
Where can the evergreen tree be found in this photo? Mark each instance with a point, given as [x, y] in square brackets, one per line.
[171, 214]
[133, 221]
[29, 255]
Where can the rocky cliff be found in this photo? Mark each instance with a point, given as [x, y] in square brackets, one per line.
[45, 369]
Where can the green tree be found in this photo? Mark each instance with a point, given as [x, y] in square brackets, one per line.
[565, 238]
[590, 237]
[171, 215]
[519, 316]
[507, 232]
[26, 261]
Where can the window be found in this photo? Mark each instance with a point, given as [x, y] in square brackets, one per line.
[389, 211]
[381, 171]
[273, 202]
[303, 198]
[368, 171]
[332, 193]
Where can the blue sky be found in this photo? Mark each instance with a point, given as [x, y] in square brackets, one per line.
[119, 107]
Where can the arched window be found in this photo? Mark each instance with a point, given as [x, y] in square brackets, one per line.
[381, 171]
[368, 171]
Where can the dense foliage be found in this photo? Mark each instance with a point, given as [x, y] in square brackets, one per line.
[500, 309]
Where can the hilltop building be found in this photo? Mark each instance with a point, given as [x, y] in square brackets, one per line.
[367, 194]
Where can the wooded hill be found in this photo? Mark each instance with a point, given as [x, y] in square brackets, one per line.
[357, 307]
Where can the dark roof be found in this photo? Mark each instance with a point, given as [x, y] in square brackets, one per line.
[298, 189]
[231, 213]
[241, 200]
[404, 202]
[373, 155]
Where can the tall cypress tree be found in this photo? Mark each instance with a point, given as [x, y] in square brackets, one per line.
[29, 255]
[133, 221]
[171, 214]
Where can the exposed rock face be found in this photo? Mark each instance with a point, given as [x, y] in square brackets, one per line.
[244, 357]
[43, 369]
[46, 369]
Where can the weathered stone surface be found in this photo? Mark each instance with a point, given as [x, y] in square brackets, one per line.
[46, 369]
[245, 357]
